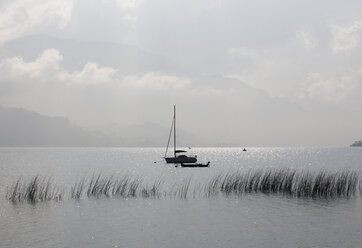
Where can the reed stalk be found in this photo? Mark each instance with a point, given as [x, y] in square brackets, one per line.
[285, 181]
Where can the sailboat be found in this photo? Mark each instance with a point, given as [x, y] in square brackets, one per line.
[178, 156]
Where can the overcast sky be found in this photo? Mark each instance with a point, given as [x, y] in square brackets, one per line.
[255, 73]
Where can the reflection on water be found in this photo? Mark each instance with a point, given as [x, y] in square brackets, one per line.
[247, 221]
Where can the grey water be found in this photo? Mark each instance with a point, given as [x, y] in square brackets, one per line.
[251, 220]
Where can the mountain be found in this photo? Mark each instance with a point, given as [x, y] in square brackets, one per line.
[20, 127]
[24, 128]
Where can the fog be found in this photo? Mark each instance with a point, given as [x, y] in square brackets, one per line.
[261, 73]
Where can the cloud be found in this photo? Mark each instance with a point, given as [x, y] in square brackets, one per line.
[331, 89]
[345, 39]
[156, 81]
[92, 74]
[216, 108]
[16, 69]
[45, 86]
[128, 9]
[128, 4]
[241, 52]
[47, 68]
[306, 39]
[21, 16]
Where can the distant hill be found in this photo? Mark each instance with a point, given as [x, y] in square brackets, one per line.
[24, 128]
[20, 127]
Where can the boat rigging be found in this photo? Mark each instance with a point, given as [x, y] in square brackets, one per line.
[182, 160]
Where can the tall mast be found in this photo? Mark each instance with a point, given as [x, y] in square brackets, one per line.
[174, 130]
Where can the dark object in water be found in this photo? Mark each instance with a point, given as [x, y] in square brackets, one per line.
[177, 159]
[244, 150]
[195, 165]
[180, 159]
[356, 143]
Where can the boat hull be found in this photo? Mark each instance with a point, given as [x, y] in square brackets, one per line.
[193, 165]
[180, 160]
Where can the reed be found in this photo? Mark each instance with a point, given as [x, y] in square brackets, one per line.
[180, 190]
[38, 189]
[153, 191]
[122, 187]
[133, 187]
[289, 182]
[183, 192]
[212, 186]
[285, 181]
[76, 191]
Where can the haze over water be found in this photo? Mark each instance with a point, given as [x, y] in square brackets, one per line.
[250, 220]
[241, 73]
[91, 73]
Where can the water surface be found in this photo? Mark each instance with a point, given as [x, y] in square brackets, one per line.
[255, 220]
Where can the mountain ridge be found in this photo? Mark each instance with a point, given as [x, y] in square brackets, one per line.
[24, 128]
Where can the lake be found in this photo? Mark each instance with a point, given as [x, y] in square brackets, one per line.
[245, 220]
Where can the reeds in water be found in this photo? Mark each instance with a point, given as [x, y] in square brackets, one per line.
[121, 187]
[153, 191]
[180, 191]
[289, 182]
[76, 191]
[100, 186]
[38, 189]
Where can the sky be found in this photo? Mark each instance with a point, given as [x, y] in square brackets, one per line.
[253, 73]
